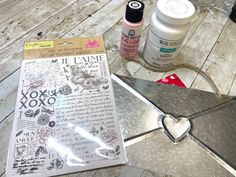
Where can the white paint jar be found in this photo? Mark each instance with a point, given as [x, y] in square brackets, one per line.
[168, 27]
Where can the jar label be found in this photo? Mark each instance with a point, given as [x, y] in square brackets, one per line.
[129, 41]
[161, 52]
[161, 42]
[159, 57]
[167, 50]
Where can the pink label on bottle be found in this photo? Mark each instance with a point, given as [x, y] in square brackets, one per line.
[130, 39]
[129, 46]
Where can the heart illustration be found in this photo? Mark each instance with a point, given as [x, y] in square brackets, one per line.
[175, 128]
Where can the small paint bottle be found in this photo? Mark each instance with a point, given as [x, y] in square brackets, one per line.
[131, 29]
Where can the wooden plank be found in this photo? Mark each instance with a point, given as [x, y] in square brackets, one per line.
[232, 91]
[4, 3]
[5, 129]
[99, 20]
[17, 26]
[221, 63]
[197, 49]
[12, 9]
[8, 92]
[55, 27]
[105, 24]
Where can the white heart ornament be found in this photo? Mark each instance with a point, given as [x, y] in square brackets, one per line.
[175, 128]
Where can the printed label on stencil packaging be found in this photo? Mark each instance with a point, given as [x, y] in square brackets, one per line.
[65, 116]
[38, 45]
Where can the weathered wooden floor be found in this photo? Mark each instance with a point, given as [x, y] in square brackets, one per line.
[210, 44]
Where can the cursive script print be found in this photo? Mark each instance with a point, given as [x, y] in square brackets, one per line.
[65, 118]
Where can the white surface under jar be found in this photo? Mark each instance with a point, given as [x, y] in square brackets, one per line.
[168, 27]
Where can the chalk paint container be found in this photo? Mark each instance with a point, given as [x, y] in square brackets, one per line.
[168, 27]
[131, 29]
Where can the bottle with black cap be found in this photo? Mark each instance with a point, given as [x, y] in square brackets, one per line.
[131, 29]
[233, 13]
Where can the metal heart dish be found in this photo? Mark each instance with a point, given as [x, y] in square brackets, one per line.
[175, 128]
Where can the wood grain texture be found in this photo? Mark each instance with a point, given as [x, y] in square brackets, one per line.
[199, 46]
[232, 91]
[12, 8]
[8, 92]
[55, 27]
[221, 62]
[99, 22]
[19, 25]
[9, 3]
[5, 133]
